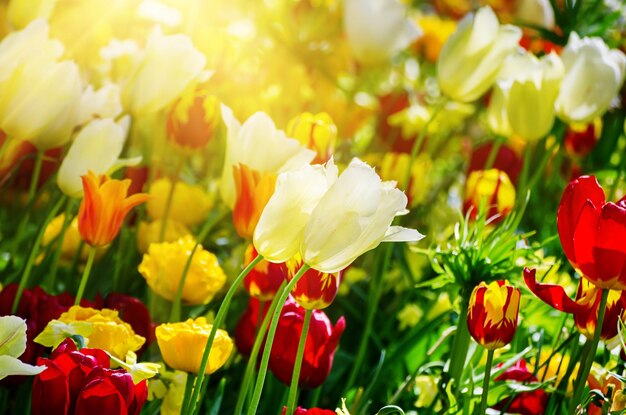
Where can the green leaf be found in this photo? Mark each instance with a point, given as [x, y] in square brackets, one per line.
[12, 336]
[390, 409]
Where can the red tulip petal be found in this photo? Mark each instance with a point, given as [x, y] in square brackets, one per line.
[585, 240]
[551, 294]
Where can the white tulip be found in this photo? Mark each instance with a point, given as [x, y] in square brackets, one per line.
[378, 29]
[471, 58]
[103, 103]
[594, 75]
[260, 146]
[537, 12]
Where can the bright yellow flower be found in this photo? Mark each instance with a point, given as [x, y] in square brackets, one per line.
[163, 266]
[436, 32]
[555, 367]
[394, 166]
[57, 331]
[318, 132]
[190, 203]
[109, 332]
[182, 345]
[149, 232]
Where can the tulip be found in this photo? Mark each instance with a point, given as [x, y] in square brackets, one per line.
[581, 139]
[168, 66]
[584, 307]
[592, 232]
[261, 147]
[194, 119]
[471, 58]
[492, 314]
[393, 167]
[315, 290]
[264, 279]
[80, 382]
[311, 411]
[133, 312]
[594, 75]
[353, 217]
[71, 240]
[536, 12]
[190, 204]
[523, 102]
[101, 104]
[377, 30]
[97, 148]
[182, 345]
[12, 346]
[491, 187]
[525, 403]
[318, 132]
[149, 233]
[506, 160]
[102, 211]
[163, 267]
[253, 190]
[437, 30]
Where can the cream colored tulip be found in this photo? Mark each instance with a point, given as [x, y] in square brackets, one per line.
[537, 12]
[594, 75]
[260, 146]
[103, 103]
[378, 29]
[353, 217]
[523, 99]
[471, 58]
[279, 232]
[97, 148]
[39, 103]
[168, 66]
[22, 12]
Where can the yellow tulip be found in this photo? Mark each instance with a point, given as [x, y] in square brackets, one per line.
[182, 345]
[318, 132]
[149, 233]
[163, 266]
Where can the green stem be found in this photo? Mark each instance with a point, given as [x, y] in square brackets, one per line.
[85, 277]
[295, 377]
[581, 380]
[258, 341]
[420, 140]
[260, 380]
[460, 344]
[34, 180]
[221, 313]
[176, 307]
[495, 149]
[33, 254]
[170, 198]
[54, 267]
[188, 388]
[483, 401]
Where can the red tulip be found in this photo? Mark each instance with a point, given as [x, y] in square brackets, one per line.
[313, 411]
[265, 278]
[80, 382]
[592, 233]
[584, 308]
[525, 403]
[316, 290]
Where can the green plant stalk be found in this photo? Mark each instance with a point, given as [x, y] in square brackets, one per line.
[495, 149]
[30, 262]
[85, 277]
[460, 344]
[258, 341]
[34, 180]
[54, 267]
[295, 377]
[581, 379]
[176, 306]
[483, 401]
[188, 388]
[170, 198]
[260, 380]
[221, 313]
[373, 300]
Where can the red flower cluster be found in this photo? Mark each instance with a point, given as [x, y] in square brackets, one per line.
[319, 351]
[525, 403]
[80, 382]
[313, 411]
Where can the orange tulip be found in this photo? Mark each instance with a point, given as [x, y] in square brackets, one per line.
[253, 191]
[104, 208]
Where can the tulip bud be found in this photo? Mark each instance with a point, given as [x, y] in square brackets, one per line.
[492, 313]
[471, 58]
[263, 281]
[593, 76]
[317, 132]
[194, 119]
[316, 290]
[491, 187]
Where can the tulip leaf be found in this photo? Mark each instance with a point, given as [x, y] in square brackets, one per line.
[12, 336]
[10, 366]
[390, 409]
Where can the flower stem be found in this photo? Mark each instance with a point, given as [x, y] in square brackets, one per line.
[295, 377]
[260, 380]
[483, 401]
[170, 198]
[258, 341]
[493, 153]
[188, 388]
[34, 180]
[54, 267]
[586, 364]
[460, 344]
[85, 277]
[221, 313]
[33, 254]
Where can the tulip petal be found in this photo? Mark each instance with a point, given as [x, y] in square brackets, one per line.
[10, 366]
[401, 234]
[585, 236]
[552, 294]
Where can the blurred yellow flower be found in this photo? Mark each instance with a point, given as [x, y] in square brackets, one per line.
[436, 30]
[318, 132]
[163, 266]
[409, 316]
[71, 239]
[194, 119]
[108, 333]
[555, 367]
[491, 187]
[190, 203]
[182, 345]
[426, 388]
[393, 166]
[149, 232]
